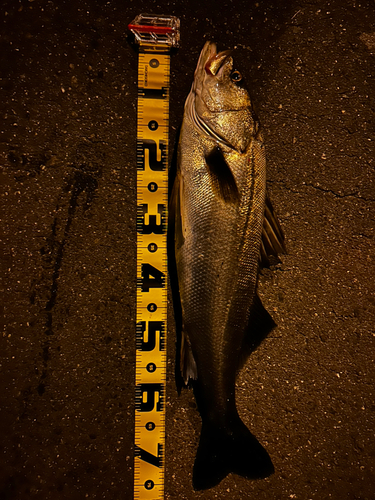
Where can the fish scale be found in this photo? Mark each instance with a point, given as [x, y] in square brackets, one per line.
[209, 304]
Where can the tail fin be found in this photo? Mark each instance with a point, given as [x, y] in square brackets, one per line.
[222, 451]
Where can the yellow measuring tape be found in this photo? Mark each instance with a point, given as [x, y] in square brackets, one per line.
[156, 35]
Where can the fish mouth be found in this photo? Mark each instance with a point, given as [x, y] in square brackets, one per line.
[214, 65]
[210, 61]
[211, 65]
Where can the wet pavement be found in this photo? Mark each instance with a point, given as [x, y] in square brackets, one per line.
[68, 109]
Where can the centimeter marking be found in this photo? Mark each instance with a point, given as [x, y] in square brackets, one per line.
[152, 208]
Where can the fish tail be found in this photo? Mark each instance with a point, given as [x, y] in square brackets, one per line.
[225, 450]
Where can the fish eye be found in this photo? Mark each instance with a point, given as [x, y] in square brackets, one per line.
[235, 76]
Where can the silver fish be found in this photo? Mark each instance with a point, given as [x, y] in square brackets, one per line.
[218, 206]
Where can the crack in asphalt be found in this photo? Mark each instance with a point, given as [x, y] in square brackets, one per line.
[355, 194]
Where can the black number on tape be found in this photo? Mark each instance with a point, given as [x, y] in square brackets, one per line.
[154, 164]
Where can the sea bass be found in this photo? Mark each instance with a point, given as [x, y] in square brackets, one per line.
[219, 206]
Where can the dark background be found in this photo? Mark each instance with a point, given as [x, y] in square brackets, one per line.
[68, 125]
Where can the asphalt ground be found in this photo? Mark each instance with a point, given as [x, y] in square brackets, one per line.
[68, 132]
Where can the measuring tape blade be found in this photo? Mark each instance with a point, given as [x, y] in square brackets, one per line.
[156, 35]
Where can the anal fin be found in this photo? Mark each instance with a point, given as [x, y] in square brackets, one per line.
[187, 361]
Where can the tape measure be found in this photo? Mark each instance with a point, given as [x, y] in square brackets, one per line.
[156, 35]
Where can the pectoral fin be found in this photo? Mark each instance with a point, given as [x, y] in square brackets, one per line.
[222, 181]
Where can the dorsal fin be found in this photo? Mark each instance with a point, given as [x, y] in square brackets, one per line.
[273, 240]
[222, 181]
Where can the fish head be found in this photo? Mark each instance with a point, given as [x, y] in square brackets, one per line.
[216, 84]
[222, 105]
